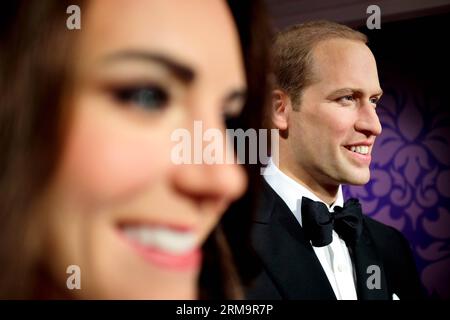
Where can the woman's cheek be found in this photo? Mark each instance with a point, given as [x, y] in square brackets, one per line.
[105, 160]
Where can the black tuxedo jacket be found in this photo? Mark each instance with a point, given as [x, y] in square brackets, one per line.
[291, 270]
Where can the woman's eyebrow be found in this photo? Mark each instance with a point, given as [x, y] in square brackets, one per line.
[179, 70]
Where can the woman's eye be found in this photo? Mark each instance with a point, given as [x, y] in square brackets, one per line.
[150, 98]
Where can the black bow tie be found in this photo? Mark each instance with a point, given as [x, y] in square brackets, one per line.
[318, 222]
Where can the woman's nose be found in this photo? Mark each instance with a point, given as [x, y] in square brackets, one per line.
[213, 172]
[211, 182]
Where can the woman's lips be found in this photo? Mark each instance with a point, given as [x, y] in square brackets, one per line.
[167, 247]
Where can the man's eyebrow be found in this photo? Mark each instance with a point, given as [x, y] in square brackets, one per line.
[180, 71]
[345, 91]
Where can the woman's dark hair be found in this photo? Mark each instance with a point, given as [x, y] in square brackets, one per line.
[34, 54]
[35, 67]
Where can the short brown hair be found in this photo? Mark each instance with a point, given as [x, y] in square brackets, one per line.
[292, 53]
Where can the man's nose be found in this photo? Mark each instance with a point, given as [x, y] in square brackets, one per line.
[368, 121]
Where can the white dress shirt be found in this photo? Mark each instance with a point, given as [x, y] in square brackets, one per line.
[335, 257]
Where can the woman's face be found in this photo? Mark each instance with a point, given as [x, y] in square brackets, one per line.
[119, 207]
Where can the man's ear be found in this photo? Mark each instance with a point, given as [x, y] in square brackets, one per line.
[281, 106]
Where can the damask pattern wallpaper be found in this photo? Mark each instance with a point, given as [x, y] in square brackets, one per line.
[410, 181]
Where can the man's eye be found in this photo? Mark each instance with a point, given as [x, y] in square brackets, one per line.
[346, 99]
[149, 97]
[374, 100]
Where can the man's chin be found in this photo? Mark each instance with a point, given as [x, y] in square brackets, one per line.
[358, 177]
[360, 181]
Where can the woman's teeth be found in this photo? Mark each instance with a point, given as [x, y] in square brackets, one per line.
[162, 238]
[360, 149]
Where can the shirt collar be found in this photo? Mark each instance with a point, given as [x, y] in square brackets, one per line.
[291, 192]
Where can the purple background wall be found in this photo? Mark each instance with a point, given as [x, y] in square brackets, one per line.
[410, 183]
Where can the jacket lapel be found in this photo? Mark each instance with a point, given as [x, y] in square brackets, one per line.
[288, 257]
[370, 274]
